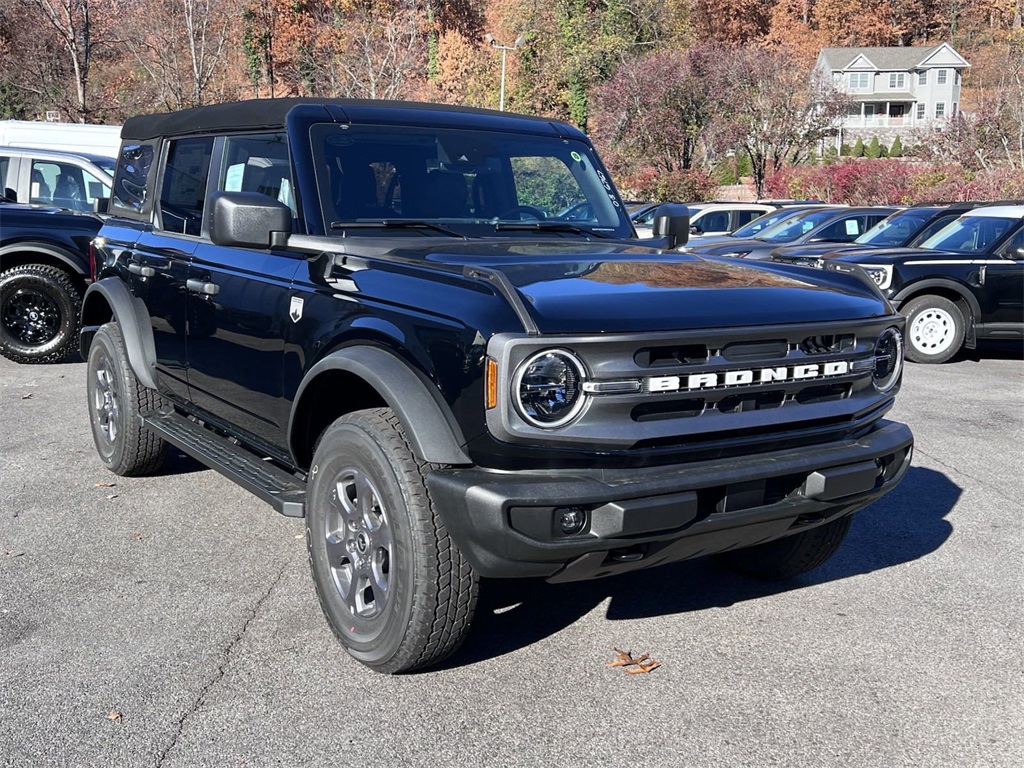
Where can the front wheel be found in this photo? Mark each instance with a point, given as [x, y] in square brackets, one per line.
[392, 584]
[935, 329]
[39, 309]
[789, 556]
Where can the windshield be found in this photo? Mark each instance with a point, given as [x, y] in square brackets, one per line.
[970, 234]
[896, 230]
[761, 223]
[470, 182]
[794, 226]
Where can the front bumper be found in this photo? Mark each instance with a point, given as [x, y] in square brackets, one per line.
[507, 525]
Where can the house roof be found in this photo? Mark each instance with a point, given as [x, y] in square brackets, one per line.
[898, 59]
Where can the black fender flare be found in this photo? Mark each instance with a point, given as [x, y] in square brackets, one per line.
[430, 427]
[63, 255]
[130, 313]
[949, 285]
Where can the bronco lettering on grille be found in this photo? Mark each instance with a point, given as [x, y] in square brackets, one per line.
[782, 373]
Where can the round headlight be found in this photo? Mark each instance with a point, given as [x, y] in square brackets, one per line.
[888, 360]
[548, 388]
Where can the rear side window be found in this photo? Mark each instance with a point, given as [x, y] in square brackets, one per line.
[745, 217]
[131, 179]
[5, 164]
[714, 221]
[183, 192]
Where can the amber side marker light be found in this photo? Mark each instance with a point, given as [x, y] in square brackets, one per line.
[492, 383]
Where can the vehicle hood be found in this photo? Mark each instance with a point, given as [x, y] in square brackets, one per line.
[617, 287]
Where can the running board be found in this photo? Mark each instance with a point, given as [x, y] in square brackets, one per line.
[283, 491]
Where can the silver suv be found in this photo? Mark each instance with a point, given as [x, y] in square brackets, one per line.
[70, 180]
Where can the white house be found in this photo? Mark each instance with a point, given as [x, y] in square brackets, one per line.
[894, 89]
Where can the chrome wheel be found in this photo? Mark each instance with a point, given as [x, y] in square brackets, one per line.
[359, 544]
[933, 331]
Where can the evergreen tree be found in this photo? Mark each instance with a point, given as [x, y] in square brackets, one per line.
[874, 150]
[858, 148]
[896, 150]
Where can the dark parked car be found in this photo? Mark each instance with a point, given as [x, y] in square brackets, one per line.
[756, 226]
[906, 228]
[818, 225]
[44, 271]
[964, 283]
[360, 312]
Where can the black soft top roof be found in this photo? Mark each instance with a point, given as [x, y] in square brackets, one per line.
[262, 114]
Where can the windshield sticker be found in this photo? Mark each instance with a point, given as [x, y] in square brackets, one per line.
[576, 156]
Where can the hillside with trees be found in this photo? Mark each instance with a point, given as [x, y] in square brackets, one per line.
[679, 95]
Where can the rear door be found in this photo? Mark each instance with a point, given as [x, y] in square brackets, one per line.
[1003, 286]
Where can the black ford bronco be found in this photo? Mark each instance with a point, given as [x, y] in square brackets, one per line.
[372, 316]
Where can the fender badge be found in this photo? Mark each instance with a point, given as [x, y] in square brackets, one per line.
[295, 310]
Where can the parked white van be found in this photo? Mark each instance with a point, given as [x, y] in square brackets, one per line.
[65, 137]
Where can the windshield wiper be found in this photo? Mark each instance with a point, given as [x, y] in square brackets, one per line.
[547, 226]
[397, 224]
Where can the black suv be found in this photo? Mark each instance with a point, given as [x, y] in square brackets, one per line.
[963, 283]
[369, 315]
[44, 271]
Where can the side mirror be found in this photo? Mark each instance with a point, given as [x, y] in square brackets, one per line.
[696, 230]
[10, 194]
[248, 219]
[672, 221]
[101, 205]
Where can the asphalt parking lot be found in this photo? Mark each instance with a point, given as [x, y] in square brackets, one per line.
[171, 621]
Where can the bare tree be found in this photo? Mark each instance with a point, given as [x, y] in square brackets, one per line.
[71, 23]
[181, 45]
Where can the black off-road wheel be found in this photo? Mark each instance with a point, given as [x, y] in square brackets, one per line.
[935, 329]
[394, 587]
[790, 556]
[39, 314]
[116, 400]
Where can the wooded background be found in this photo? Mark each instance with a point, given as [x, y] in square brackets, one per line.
[679, 95]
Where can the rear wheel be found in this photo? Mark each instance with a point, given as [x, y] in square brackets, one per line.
[393, 586]
[116, 400]
[39, 314]
[935, 329]
[790, 556]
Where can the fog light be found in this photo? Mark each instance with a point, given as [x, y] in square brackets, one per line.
[571, 519]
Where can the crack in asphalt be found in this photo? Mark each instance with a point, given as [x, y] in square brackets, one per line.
[218, 675]
[994, 489]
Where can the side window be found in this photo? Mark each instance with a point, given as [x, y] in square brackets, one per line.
[131, 177]
[258, 164]
[1014, 248]
[67, 184]
[43, 181]
[745, 217]
[183, 193]
[842, 231]
[5, 164]
[715, 221]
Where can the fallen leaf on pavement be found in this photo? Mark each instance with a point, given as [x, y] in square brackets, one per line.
[103, 485]
[27, 397]
[115, 715]
[634, 665]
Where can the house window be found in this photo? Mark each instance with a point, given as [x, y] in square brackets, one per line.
[940, 110]
[897, 80]
[920, 111]
[858, 80]
[922, 78]
[941, 79]
[956, 76]
[953, 111]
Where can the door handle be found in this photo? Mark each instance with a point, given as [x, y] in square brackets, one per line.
[138, 269]
[201, 286]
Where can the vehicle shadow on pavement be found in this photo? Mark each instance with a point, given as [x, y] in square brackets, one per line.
[903, 526]
[992, 349]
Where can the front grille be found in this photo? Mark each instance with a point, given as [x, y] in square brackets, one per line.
[705, 387]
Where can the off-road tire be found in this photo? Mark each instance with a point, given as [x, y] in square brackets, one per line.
[116, 400]
[789, 556]
[935, 329]
[39, 314]
[394, 587]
